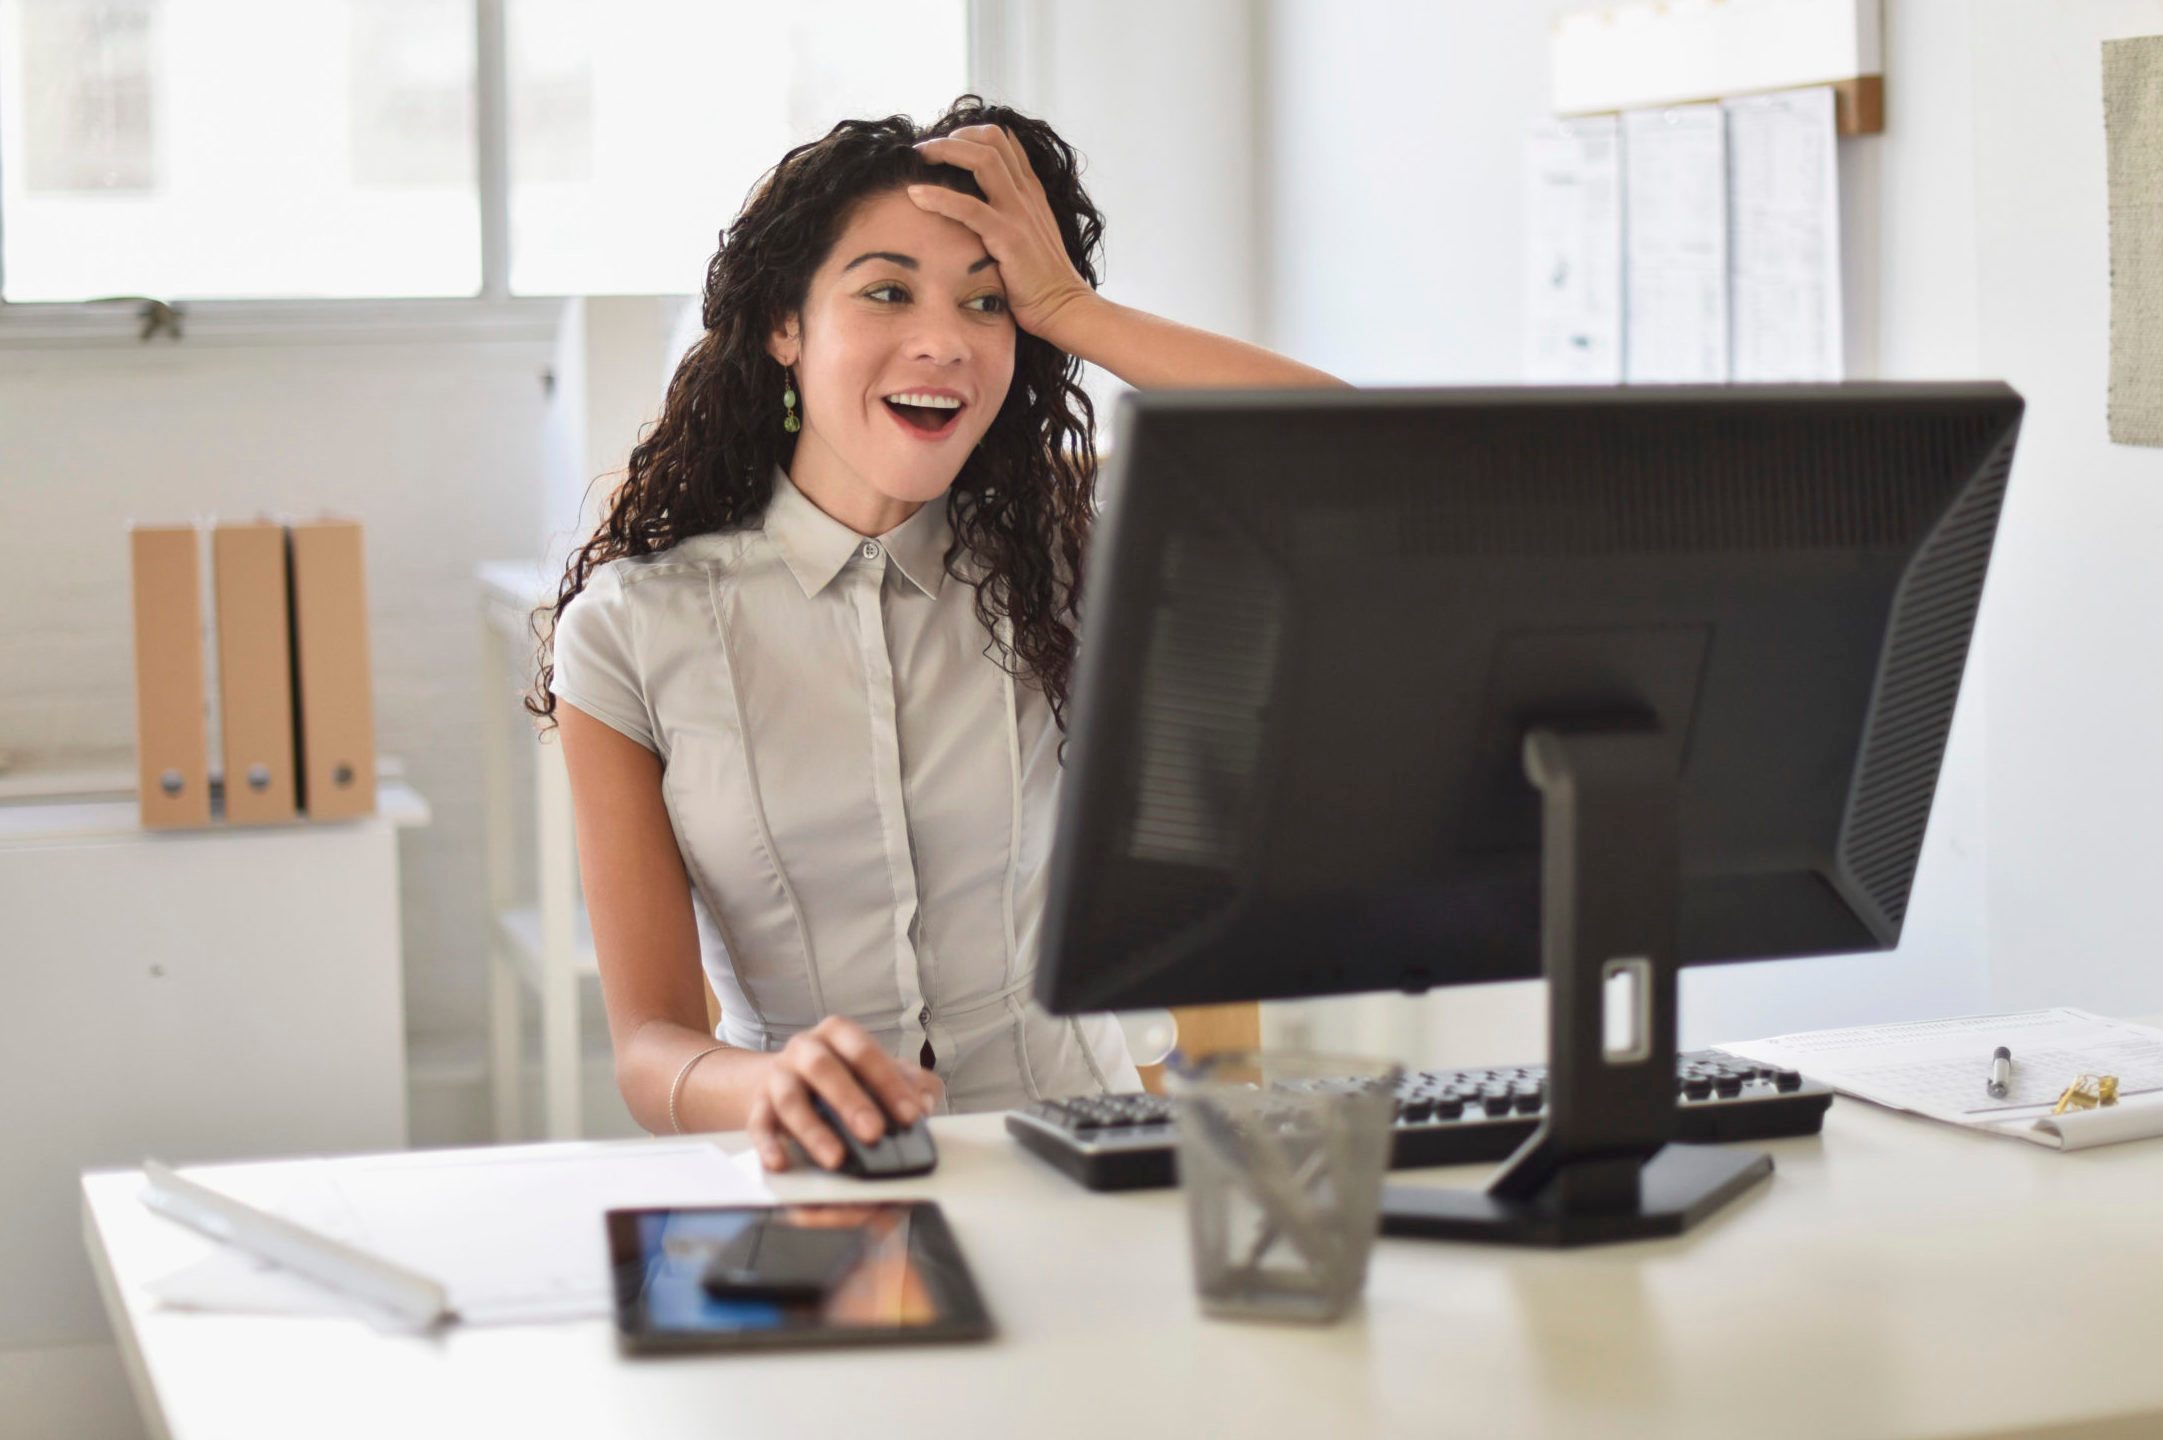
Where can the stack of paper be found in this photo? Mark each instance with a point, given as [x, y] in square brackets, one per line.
[1939, 1068]
[514, 1234]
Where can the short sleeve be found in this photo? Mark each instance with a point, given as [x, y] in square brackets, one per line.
[596, 667]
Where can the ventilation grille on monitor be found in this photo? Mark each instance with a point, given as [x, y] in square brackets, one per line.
[1649, 482]
[1918, 681]
[1210, 667]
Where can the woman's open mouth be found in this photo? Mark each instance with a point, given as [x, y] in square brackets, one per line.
[925, 422]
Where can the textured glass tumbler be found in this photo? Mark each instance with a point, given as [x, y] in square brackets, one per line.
[1281, 1155]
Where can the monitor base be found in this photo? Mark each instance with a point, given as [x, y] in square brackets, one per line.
[1678, 1186]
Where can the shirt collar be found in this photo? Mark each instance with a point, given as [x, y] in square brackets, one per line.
[815, 546]
[918, 546]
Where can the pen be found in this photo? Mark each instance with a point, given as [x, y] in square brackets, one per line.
[2001, 1073]
[402, 1292]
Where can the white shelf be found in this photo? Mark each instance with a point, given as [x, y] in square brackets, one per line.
[99, 814]
[519, 928]
[510, 592]
[541, 942]
[1670, 52]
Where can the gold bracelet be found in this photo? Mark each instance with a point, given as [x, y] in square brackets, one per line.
[677, 1088]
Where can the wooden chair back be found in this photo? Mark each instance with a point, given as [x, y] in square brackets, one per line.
[1207, 1030]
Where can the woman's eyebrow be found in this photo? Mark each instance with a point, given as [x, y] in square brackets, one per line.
[906, 262]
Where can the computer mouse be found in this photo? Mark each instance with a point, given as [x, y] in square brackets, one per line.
[901, 1150]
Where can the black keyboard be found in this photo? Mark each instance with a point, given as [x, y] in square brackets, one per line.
[1443, 1117]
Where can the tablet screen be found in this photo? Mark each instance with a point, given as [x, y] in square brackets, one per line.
[902, 1278]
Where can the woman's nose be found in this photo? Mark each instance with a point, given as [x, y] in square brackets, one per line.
[942, 340]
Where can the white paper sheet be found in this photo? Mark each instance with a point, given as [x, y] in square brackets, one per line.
[515, 1233]
[1675, 326]
[1783, 203]
[1939, 1068]
[1573, 276]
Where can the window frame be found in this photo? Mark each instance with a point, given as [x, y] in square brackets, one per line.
[492, 313]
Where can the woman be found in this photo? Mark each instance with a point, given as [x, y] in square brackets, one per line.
[812, 670]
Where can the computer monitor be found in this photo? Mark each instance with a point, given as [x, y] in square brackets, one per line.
[1390, 689]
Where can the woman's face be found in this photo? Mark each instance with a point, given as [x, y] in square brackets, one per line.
[907, 302]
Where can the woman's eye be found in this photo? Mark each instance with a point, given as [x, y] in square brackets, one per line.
[997, 306]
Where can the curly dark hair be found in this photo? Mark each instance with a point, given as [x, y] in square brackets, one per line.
[1025, 497]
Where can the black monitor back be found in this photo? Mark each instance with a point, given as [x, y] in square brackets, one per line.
[1318, 624]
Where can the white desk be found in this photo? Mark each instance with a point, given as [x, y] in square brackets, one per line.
[1894, 1278]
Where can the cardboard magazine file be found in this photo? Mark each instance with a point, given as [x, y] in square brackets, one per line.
[172, 742]
[255, 671]
[337, 760]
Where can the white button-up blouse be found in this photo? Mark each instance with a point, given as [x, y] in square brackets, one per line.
[863, 798]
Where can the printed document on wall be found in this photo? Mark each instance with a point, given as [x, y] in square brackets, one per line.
[1674, 165]
[1783, 203]
[1573, 209]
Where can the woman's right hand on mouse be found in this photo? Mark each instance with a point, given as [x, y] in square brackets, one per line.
[837, 1059]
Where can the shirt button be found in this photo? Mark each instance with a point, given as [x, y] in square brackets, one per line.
[871, 549]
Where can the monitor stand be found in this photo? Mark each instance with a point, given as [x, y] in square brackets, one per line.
[1600, 1167]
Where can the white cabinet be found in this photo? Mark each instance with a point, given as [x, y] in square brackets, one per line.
[193, 995]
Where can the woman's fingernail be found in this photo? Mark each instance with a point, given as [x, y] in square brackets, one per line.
[867, 1124]
[905, 1113]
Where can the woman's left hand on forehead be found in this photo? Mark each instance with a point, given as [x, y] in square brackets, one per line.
[1014, 220]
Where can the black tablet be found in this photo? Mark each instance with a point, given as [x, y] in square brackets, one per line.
[733, 1277]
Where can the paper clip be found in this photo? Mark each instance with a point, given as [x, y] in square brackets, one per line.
[2088, 1092]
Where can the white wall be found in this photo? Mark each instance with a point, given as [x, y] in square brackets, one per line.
[2076, 672]
[1341, 181]
[615, 355]
[1392, 228]
[1975, 235]
[456, 448]
[1159, 101]
[434, 443]
[1910, 239]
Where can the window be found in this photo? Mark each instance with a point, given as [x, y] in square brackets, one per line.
[638, 130]
[279, 149]
[235, 149]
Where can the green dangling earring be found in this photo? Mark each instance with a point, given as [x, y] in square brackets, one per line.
[789, 422]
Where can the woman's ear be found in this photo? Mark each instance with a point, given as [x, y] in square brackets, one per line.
[782, 343]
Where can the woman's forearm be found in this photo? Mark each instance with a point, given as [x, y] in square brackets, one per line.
[716, 1095]
[1150, 352]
